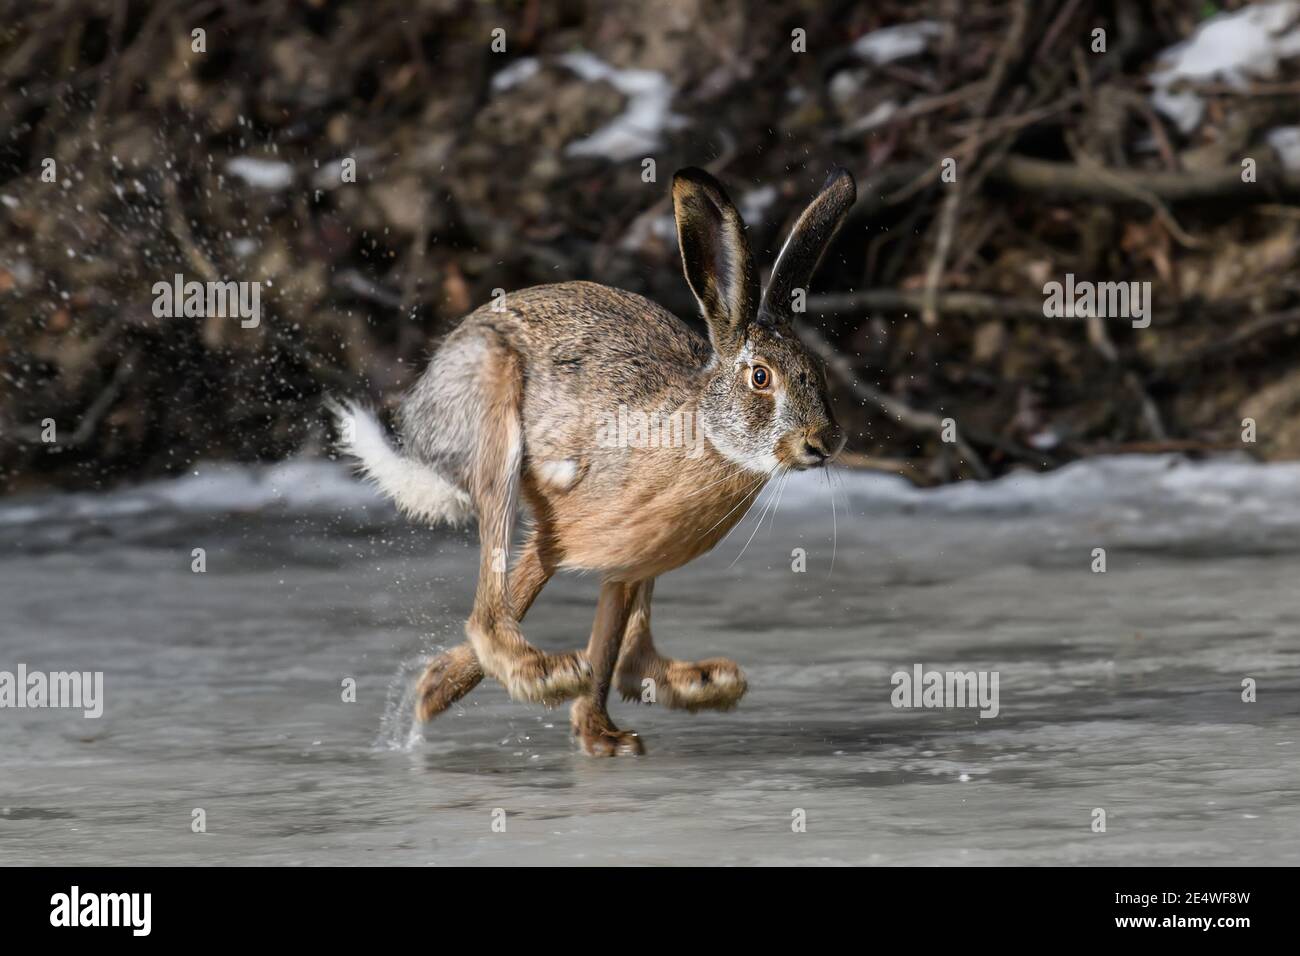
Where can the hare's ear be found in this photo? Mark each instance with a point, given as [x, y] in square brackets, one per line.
[715, 256]
[808, 241]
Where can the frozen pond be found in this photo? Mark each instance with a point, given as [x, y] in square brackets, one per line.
[222, 690]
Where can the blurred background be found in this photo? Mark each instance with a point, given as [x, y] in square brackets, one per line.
[999, 146]
[498, 146]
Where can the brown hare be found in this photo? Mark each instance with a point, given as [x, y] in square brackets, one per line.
[517, 406]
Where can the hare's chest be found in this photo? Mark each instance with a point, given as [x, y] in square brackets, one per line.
[652, 530]
[693, 522]
[712, 520]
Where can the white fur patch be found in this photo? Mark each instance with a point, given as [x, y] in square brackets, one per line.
[764, 460]
[417, 488]
[560, 474]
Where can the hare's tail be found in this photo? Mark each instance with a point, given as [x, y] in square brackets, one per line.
[418, 489]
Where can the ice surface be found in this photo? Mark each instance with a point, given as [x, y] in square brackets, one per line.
[223, 689]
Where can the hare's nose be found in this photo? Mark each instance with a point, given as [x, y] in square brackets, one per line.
[823, 445]
[813, 448]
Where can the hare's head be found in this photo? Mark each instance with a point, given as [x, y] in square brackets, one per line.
[765, 404]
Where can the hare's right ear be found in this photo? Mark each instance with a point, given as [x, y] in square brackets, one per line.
[808, 241]
[716, 258]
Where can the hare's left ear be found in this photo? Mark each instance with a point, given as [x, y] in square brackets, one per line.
[716, 258]
[808, 241]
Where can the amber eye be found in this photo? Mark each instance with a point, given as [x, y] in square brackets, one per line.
[760, 377]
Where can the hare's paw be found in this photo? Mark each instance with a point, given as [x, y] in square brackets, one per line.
[598, 737]
[611, 743]
[714, 684]
[449, 677]
[547, 678]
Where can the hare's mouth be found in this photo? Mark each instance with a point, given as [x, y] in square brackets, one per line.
[802, 453]
[810, 458]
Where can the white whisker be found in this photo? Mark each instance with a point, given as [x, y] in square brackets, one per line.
[762, 479]
[741, 519]
[726, 477]
[779, 492]
[835, 531]
[757, 525]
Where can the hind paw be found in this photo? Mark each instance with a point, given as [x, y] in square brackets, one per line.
[548, 678]
[449, 677]
[598, 737]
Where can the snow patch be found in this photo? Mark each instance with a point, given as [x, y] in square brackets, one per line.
[897, 42]
[879, 116]
[1285, 141]
[1229, 486]
[520, 71]
[755, 203]
[1233, 48]
[1233, 482]
[638, 130]
[297, 486]
[268, 174]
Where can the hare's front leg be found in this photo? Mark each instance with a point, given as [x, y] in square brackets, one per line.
[646, 676]
[590, 718]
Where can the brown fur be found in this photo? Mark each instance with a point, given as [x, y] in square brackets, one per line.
[511, 407]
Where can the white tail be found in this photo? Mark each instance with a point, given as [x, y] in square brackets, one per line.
[418, 489]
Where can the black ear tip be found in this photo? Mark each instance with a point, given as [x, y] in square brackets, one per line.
[693, 185]
[694, 176]
[841, 178]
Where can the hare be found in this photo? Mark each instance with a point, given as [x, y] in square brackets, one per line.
[516, 406]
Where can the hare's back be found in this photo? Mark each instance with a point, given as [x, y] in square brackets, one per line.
[581, 350]
[582, 328]
[589, 343]
[591, 353]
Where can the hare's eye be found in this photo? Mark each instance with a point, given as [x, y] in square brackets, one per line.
[760, 377]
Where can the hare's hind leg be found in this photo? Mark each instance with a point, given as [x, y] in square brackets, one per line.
[493, 630]
[590, 718]
[455, 672]
[646, 676]
[447, 678]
